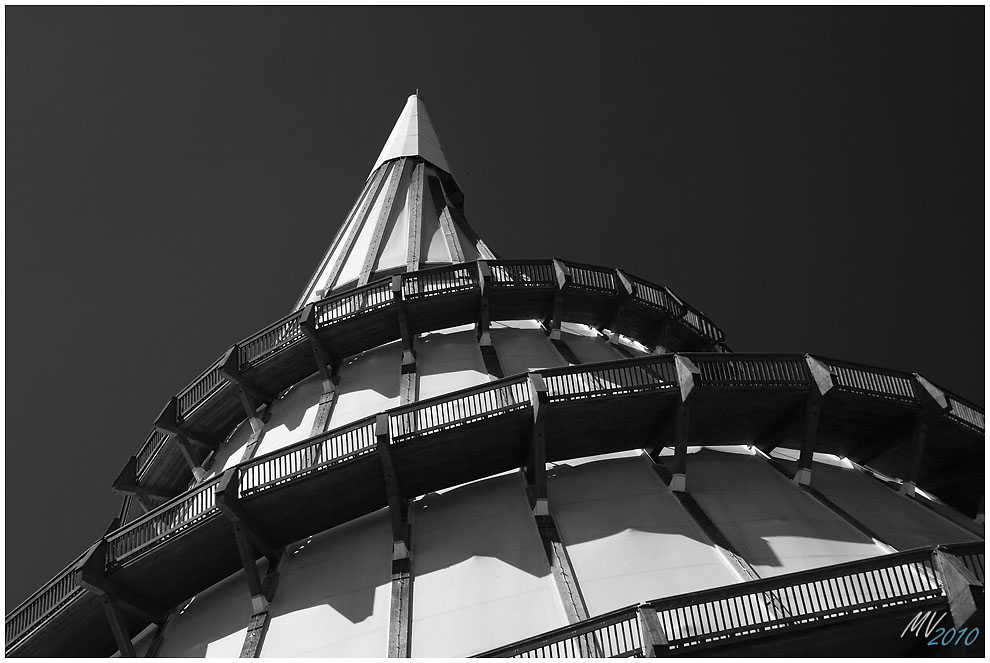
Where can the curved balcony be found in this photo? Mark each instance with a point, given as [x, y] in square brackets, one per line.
[868, 601]
[186, 545]
[353, 321]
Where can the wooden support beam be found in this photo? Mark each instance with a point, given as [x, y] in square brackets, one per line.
[536, 463]
[563, 572]
[398, 506]
[385, 217]
[625, 291]
[127, 483]
[400, 612]
[356, 227]
[564, 350]
[93, 578]
[121, 636]
[963, 591]
[405, 337]
[564, 278]
[185, 449]
[778, 430]
[414, 240]
[257, 628]
[654, 640]
[159, 638]
[812, 413]
[251, 397]
[168, 422]
[483, 328]
[400, 618]
[686, 377]
[447, 213]
[247, 531]
[327, 361]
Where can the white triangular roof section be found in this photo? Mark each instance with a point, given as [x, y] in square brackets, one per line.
[414, 136]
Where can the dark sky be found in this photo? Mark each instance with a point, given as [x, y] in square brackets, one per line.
[812, 179]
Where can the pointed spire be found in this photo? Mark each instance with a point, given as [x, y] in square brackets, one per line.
[410, 214]
[413, 136]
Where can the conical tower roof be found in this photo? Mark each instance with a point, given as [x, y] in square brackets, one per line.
[409, 215]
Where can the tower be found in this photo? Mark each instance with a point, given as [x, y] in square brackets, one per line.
[441, 452]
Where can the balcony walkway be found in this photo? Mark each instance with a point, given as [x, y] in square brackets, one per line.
[186, 545]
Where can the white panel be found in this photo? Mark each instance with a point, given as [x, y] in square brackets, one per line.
[321, 280]
[628, 538]
[481, 574]
[334, 593]
[355, 259]
[773, 524]
[433, 246]
[369, 383]
[213, 624]
[292, 416]
[232, 450]
[588, 349]
[900, 522]
[521, 350]
[447, 362]
[396, 237]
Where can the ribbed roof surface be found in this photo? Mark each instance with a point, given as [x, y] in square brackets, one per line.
[408, 216]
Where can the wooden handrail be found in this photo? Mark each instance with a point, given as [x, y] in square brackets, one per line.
[342, 306]
[887, 581]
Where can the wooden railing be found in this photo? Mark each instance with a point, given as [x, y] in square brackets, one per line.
[523, 273]
[611, 378]
[657, 298]
[200, 389]
[589, 277]
[422, 284]
[459, 408]
[769, 604]
[971, 555]
[965, 413]
[150, 448]
[55, 594]
[643, 374]
[742, 371]
[163, 523]
[352, 303]
[871, 381]
[439, 281]
[277, 336]
[613, 635]
[720, 615]
[307, 457]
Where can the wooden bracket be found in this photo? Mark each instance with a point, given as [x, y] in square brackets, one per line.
[388, 210]
[408, 354]
[963, 591]
[482, 329]
[681, 429]
[652, 636]
[127, 483]
[398, 506]
[228, 501]
[686, 372]
[168, 422]
[812, 412]
[447, 216]
[536, 461]
[324, 356]
[230, 369]
[625, 291]
[775, 433]
[821, 375]
[92, 576]
[564, 278]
